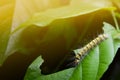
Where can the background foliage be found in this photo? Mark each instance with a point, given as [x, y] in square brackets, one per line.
[28, 29]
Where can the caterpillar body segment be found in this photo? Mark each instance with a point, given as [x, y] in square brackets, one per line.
[84, 51]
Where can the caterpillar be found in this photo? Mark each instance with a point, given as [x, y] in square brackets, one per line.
[89, 46]
[72, 59]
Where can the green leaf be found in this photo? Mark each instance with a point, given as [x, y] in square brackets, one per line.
[58, 25]
[18, 16]
[46, 17]
[93, 65]
[12, 14]
[105, 49]
[34, 70]
[108, 29]
[88, 68]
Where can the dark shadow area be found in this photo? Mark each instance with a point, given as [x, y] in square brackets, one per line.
[14, 68]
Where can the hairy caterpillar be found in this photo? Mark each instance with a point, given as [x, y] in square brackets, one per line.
[89, 46]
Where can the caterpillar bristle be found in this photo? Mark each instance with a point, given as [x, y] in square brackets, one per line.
[90, 46]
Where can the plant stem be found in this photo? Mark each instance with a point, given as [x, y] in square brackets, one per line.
[115, 20]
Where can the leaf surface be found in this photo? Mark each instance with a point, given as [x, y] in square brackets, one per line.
[93, 65]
